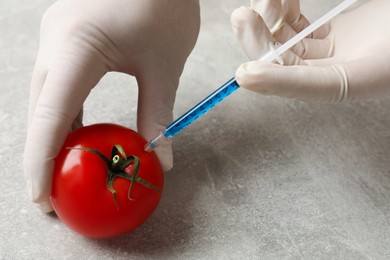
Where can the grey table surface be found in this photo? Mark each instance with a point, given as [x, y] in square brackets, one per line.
[256, 178]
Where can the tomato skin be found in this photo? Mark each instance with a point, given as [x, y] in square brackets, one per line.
[80, 196]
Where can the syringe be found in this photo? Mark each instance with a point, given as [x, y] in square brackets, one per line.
[230, 86]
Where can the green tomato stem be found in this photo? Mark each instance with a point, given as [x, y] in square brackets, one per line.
[116, 169]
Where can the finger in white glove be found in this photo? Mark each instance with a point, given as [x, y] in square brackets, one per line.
[80, 42]
[335, 68]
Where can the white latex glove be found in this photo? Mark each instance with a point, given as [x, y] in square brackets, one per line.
[81, 40]
[347, 59]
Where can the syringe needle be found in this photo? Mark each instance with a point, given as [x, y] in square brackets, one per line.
[194, 113]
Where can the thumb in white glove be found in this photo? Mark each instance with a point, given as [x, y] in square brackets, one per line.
[345, 60]
[80, 42]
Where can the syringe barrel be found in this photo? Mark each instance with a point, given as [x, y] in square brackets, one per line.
[201, 108]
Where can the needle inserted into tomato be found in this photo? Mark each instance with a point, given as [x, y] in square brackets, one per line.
[106, 184]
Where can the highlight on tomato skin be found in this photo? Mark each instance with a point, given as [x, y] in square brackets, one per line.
[104, 183]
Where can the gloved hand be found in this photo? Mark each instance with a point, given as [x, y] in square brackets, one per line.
[81, 40]
[347, 59]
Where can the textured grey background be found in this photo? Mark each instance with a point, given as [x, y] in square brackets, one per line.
[257, 178]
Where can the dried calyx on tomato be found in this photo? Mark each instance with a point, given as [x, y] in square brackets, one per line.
[116, 168]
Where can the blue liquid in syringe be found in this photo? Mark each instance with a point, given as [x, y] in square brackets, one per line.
[201, 108]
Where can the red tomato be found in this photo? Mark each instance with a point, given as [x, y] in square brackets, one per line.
[100, 190]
